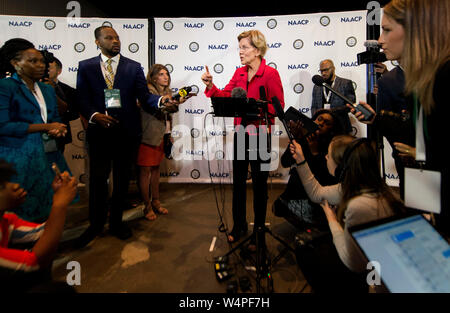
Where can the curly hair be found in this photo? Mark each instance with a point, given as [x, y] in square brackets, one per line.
[11, 50]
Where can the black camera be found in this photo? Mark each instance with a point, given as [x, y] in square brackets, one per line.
[372, 55]
[48, 58]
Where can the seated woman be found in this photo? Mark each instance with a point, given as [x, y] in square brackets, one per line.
[361, 195]
[294, 204]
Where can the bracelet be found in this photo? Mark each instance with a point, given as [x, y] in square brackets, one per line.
[301, 163]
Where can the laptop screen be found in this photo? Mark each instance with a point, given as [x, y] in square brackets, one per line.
[412, 255]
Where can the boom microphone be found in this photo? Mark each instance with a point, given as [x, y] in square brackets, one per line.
[280, 113]
[319, 81]
[372, 44]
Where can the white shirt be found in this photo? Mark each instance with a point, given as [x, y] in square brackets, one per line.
[114, 63]
[37, 93]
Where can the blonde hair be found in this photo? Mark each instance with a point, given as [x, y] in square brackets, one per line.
[426, 47]
[257, 40]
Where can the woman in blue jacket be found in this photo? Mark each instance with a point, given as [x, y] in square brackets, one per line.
[29, 122]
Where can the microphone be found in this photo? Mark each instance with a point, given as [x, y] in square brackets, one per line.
[183, 92]
[239, 92]
[319, 81]
[280, 113]
[372, 44]
[262, 93]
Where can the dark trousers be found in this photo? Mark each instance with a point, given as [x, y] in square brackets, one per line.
[109, 149]
[259, 182]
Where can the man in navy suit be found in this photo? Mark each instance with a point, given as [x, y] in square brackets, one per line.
[325, 99]
[108, 87]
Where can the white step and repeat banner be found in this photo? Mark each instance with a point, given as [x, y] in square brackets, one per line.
[72, 41]
[297, 44]
[203, 143]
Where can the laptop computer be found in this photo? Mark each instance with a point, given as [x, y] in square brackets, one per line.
[412, 256]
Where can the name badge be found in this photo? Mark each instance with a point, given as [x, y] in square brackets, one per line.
[327, 106]
[112, 99]
[423, 190]
[49, 143]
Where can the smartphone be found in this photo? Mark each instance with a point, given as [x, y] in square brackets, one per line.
[55, 169]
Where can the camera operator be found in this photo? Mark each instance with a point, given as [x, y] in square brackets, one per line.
[418, 32]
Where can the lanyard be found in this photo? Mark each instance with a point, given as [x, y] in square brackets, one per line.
[420, 123]
[328, 96]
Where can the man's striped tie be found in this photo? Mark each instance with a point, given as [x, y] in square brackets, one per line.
[109, 77]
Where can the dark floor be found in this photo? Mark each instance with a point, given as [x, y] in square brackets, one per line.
[172, 254]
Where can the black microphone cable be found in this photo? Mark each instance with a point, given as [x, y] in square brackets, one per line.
[220, 208]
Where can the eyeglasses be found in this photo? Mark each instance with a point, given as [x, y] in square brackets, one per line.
[245, 48]
[325, 70]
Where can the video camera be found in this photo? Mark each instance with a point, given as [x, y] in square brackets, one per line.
[372, 55]
[48, 58]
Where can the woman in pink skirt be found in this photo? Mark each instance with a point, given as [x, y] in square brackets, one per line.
[151, 150]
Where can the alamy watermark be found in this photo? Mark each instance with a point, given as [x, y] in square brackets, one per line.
[74, 15]
[73, 278]
[374, 13]
[374, 276]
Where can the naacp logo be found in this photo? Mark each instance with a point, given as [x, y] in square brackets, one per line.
[49, 24]
[299, 88]
[195, 89]
[133, 48]
[220, 155]
[272, 23]
[168, 25]
[195, 174]
[193, 46]
[298, 44]
[218, 68]
[107, 24]
[169, 68]
[272, 64]
[79, 47]
[81, 135]
[195, 133]
[218, 25]
[325, 21]
[351, 41]
[274, 156]
[84, 178]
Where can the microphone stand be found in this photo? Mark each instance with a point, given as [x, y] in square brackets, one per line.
[262, 262]
[374, 131]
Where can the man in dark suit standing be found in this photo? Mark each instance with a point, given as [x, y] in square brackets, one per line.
[108, 87]
[325, 99]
